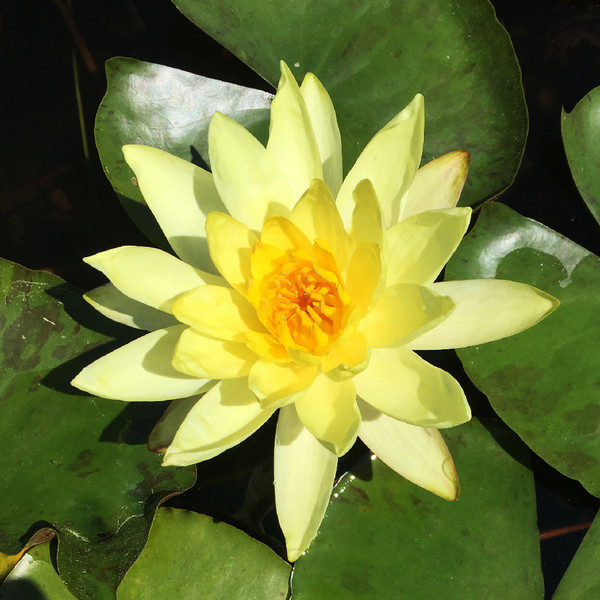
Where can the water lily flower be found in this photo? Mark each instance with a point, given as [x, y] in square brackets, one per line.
[300, 291]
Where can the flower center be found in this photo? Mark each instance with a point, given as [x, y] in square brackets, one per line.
[302, 302]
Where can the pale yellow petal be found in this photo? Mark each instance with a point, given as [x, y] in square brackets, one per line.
[326, 130]
[248, 178]
[230, 244]
[202, 356]
[329, 411]
[390, 160]
[401, 384]
[283, 234]
[164, 431]
[419, 454]
[437, 184]
[115, 305]
[217, 311]
[180, 195]
[403, 312]
[303, 478]
[225, 416]
[418, 247]
[486, 310]
[347, 358]
[140, 371]
[316, 214]
[363, 275]
[366, 218]
[150, 275]
[292, 142]
[277, 384]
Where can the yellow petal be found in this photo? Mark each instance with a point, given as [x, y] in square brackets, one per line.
[283, 234]
[403, 312]
[363, 275]
[180, 195]
[292, 141]
[149, 275]
[277, 384]
[402, 385]
[390, 160]
[225, 416]
[326, 130]
[163, 433]
[328, 410]
[217, 311]
[115, 305]
[347, 358]
[316, 214]
[202, 356]
[230, 244]
[266, 346]
[140, 371]
[247, 177]
[418, 247]
[437, 184]
[419, 454]
[366, 218]
[303, 478]
[486, 310]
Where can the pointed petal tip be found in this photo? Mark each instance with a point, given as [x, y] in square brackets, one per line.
[293, 554]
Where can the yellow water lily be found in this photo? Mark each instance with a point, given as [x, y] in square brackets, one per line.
[299, 291]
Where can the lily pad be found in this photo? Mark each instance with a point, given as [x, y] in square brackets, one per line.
[168, 109]
[374, 56]
[76, 463]
[582, 579]
[581, 138]
[191, 556]
[34, 578]
[383, 537]
[543, 382]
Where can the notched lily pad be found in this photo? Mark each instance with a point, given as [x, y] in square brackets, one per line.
[75, 463]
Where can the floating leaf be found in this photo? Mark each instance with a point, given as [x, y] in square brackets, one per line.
[76, 463]
[543, 382]
[374, 56]
[34, 578]
[383, 537]
[169, 109]
[581, 137]
[191, 556]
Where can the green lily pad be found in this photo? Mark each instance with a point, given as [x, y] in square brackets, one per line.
[581, 137]
[374, 56]
[543, 382]
[34, 578]
[76, 463]
[582, 579]
[191, 556]
[168, 109]
[383, 537]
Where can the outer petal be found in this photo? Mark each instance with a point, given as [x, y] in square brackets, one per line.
[437, 184]
[328, 410]
[248, 178]
[202, 356]
[317, 216]
[418, 247]
[230, 244]
[180, 195]
[403, 312]
[163, 433]
[326, 130]
[390, 160]
[277, 384]
[115, 305]
[401, 384]
[304, 471]
[222, 418]
[419, 454]
[486, 310]
[140, 371]
[291, 138]
[217, 311]
[149, 275]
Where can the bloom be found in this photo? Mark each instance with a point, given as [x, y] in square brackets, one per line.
[301, 291]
